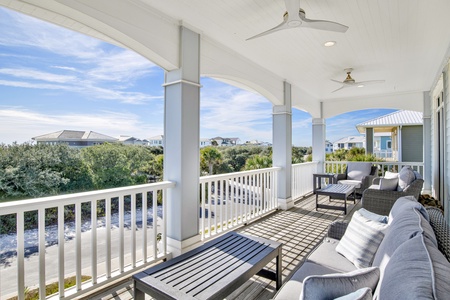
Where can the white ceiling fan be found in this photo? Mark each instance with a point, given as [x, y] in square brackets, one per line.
[295, 17]
[350, 82]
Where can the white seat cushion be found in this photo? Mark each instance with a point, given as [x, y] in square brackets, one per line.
[356, 183]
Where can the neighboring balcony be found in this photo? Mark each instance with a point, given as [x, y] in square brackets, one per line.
[117, 232]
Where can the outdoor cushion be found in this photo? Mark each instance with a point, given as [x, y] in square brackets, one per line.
[388, 184]
[390, 175]
[405, 202]
[358, 170]
[331, 286]
[293, 287]
[361, 240]
[405, 177]
[402, 228]
[416, 270]
[326, 255]
[361, 294]
[356, 183]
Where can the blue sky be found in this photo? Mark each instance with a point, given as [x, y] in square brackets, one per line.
[53, 79]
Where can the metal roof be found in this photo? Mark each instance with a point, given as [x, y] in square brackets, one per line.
[397, 118]
[74, 135]
[351, 139]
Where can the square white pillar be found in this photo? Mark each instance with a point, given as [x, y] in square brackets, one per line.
[318, 143]
[282, 148]
[427, 143]
[181, 145]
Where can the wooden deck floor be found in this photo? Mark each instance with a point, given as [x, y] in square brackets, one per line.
[300, 229]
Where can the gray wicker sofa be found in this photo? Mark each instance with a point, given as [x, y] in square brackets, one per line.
[408, 261]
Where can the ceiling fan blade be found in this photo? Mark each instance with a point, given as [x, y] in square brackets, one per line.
[339, 89]
[281, 26]
[337, 81]
[369, 82]
[323, 25]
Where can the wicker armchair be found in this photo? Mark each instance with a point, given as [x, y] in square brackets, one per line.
[362, 184]
[381, 201]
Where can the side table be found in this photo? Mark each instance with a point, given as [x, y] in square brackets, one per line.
[317, 180]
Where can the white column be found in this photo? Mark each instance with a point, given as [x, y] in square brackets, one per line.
[399, 144]
[427, 143]
[181, 145]
[318, 143]
[369, 140]
[282, 148]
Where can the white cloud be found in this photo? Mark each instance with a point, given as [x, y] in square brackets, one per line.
[18, 124]
[227, 110]
[37, 75]
[95, 69]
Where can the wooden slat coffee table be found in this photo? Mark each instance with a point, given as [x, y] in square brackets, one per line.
[336, 191]
[211, 271]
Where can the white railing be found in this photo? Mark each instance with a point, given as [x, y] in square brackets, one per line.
[231, 200]
[395, 166]
[383, 153]
[105, 245]
[302, 178]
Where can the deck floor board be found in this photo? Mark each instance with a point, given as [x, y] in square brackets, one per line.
[300, 229]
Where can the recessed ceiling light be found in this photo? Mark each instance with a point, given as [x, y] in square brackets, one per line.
[361, 85]
[329, 44]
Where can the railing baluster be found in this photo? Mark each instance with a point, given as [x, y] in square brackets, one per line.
[41, 228]
[121, 234]
[94, 241]
[209, 194]
[108, 236]
[20, 255]
[216, 199]
[78, 244]
[232, 204]
[133, 230]
[144, 227]
[61, 250]
[202, 210]
[155, 224]
[227, 194]
[164, 207]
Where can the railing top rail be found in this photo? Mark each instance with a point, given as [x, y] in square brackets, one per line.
[413, 163]
[306, 163]
[53, 201]
[236, 174]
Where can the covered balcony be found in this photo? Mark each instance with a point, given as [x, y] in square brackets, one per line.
[402, 46]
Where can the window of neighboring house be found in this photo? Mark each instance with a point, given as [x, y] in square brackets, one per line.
[388, 145]
[350, 145]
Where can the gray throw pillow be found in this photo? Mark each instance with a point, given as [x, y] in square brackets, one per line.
[361, 294]
[387, 184]
[332, 286]
[361, 240]
[405, 177]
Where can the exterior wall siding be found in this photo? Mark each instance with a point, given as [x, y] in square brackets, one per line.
[412, 143]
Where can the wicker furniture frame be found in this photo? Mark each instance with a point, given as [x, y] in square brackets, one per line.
[381, 201]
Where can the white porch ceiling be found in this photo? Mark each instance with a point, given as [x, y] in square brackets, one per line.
[404, 42]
